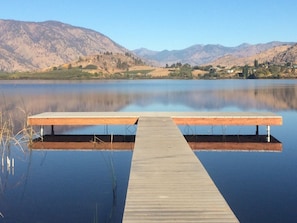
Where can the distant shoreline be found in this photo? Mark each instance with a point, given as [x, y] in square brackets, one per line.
[176, 71]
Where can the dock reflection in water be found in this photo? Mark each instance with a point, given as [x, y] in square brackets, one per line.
[126, 142]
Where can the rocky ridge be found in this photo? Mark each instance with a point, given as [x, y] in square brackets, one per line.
[36, 45]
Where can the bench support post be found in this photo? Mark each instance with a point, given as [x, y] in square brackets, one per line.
[41, 132]
[268, 133]
[52, 131]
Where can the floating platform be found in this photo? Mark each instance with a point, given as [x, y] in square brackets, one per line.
[179, 118]
[131, 118]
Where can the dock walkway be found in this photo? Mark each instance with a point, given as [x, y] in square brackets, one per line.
[167, 182]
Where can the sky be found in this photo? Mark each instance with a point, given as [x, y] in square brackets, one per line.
[167, 24]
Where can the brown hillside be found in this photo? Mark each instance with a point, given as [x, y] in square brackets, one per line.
[265, 56]
[107, 63]
[111, 63]
[288, 56]
[31, 45]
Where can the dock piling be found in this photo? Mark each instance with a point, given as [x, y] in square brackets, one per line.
[268, 133]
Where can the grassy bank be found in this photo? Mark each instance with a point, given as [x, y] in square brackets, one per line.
[145, 72]
[73, 74]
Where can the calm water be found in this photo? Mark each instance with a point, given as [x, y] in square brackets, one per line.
[90, 186]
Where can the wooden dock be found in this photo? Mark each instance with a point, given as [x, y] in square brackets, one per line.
[167, 182]
[131, 118]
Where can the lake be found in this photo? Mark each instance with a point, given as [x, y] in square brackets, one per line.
[90, 186]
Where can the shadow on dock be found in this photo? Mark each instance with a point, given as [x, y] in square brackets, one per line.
[126, 142]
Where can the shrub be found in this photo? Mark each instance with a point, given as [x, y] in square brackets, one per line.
[91, 67]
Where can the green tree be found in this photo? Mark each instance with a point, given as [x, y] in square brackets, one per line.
[256, 63]
[274, 70]
[186, 71]
[245, 71]
[91, 67]
[122, 65]
[179, 64]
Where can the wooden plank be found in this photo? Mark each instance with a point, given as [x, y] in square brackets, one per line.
[81, 118]
[83, 121]
[245, 120]
[167, 182]
[130, 118]
[228, 118]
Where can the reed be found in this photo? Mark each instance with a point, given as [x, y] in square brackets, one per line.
[96, 220]
[11, 136]
[6, 131]
[110, 166]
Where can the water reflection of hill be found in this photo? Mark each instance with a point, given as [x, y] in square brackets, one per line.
[19, 103]
[274, 98]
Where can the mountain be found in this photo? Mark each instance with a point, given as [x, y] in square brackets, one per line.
[29, 46]
[36, 45]
[287, 56]
[194, 55]
[206, 54]
[268, 55]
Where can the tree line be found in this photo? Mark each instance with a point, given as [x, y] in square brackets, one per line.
[257, 70]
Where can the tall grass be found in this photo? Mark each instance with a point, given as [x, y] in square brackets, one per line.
[11, 136]
[96, 220]
[108, 158]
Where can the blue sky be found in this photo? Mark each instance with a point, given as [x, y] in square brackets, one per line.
[168, 24]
